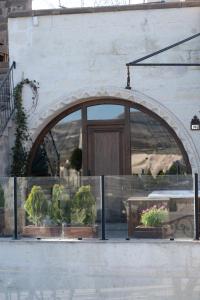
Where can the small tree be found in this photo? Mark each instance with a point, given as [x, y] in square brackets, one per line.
[76, 159]
[36, 205]
[2, 198]
[59, 209]
[83, 206]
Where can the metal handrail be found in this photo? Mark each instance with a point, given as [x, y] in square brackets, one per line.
[137, 62]
[49, 146]
[7, 103]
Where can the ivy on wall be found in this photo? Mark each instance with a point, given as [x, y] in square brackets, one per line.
[19, 152]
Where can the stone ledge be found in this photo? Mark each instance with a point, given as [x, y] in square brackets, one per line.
[145, 6]
[99, 241]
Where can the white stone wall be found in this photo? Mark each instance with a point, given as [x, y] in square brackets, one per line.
[76, 56]
[99, 270]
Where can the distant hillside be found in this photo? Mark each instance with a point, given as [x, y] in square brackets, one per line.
[148, 135]
[152, 146]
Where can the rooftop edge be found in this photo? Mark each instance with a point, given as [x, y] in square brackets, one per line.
[100, 9]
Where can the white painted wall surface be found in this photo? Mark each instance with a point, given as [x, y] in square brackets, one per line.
[84, 55]
[88, 270]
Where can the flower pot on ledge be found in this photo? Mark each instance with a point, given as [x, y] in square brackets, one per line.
[144, 232]
[80, 231]
[41, 231]
[70, 232]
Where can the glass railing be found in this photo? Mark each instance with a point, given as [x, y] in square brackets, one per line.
[101, 207]
[148, 207]
[6, 206]
[59, 207]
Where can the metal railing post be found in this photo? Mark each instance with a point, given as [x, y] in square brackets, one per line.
[15, 209]
[196, 207]
[103, 218]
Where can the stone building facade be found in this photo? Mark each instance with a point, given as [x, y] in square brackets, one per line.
[79, 58]
[7, 7]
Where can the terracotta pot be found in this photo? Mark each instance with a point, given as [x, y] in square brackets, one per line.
[56, 231]
[42, 231]
[80, 231]
[143, 232]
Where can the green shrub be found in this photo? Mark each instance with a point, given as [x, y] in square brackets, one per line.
[154, 216]
[76, 159]
[83, 207]
[60, 207]
[2, 198]
[36, 205]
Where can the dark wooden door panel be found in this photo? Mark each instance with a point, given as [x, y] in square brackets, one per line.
[105, 150]
[106, 153]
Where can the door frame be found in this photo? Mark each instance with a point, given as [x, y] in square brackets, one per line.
[90, 102]
[96, 127]
[125, 123]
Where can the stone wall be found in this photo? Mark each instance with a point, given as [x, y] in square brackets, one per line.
[76, 54]
[7, 7]
[76, 270]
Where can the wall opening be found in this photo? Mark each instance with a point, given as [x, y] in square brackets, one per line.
[110, 137]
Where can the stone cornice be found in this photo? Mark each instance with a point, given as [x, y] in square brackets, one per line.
[86, 10]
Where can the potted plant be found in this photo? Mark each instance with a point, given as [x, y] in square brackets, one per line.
[76, 159]
[152, 220]
[71, 218]
[36, 207]
[60, 207]
[2, 204]
[75, 162]
[83, 215]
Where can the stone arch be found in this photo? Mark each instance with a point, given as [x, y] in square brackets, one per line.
[80, 96]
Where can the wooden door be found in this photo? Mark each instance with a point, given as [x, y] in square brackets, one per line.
[106, 150]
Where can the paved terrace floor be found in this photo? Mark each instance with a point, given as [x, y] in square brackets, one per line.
[90, 270]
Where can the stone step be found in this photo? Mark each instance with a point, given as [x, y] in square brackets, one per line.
[4, 106]
[2, 76]
[4, 68]
[4, 71]
[4, 65]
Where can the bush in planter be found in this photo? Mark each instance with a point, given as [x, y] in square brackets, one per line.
[76, 159]
[154, 216]
[60, 207]
[83, 207]
[36, 205]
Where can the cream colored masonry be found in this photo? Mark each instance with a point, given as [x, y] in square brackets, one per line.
[78, 55]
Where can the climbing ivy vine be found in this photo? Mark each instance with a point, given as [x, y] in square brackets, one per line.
[19, 152]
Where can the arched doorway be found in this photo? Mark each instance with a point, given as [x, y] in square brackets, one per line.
[110, 137]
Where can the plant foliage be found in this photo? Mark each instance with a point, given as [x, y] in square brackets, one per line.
[154, 216]
[36, 205]
[59, 210]
[83, 207]
[19, 152]
[76, 159]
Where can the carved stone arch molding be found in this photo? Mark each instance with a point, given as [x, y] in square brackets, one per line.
[80, 96]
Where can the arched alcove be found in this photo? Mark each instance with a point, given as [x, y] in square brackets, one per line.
[135, 104]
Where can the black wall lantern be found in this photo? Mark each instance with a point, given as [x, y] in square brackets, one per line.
[195, 123]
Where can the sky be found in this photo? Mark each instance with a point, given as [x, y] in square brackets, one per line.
[45, 4]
